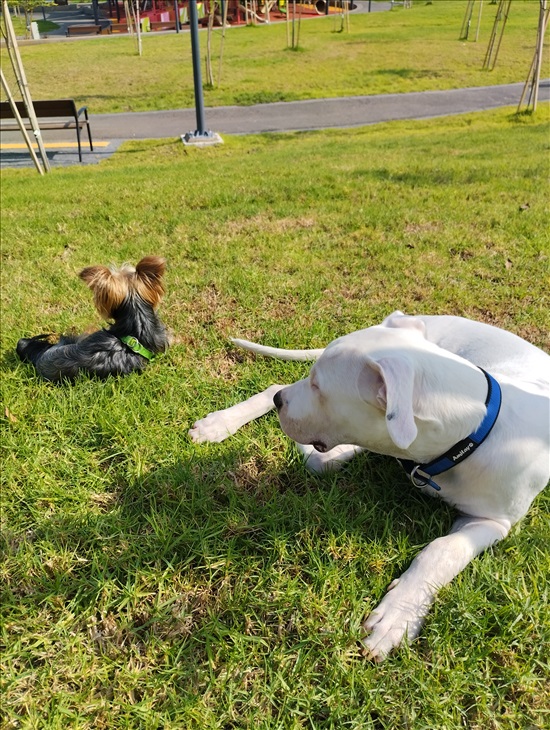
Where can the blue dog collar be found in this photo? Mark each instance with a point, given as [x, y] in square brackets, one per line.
[420, 473]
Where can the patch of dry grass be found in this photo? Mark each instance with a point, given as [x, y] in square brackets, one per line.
[148, 582]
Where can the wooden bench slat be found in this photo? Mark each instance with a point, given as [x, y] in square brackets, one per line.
[119, 27]
[87, 29]
[163, 25]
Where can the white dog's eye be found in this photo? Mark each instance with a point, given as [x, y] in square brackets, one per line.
[314, 385]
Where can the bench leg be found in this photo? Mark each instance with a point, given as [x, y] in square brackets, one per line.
[78, 140]
[89, 134]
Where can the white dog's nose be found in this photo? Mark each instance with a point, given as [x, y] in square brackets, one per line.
[320, 447]
[278, 400]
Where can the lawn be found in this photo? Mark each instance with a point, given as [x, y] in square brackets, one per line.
[20, 28]
[148, 582]
[384, 52]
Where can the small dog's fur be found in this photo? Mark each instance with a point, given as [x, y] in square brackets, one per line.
[127, 295]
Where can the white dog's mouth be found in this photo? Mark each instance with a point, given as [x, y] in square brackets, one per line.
[320, 446]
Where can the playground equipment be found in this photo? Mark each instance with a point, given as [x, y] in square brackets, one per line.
[173, 14]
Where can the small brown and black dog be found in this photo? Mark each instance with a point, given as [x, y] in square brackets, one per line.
[128, 295]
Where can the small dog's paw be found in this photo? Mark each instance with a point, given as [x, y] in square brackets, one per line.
[396, 620]
[213, 428]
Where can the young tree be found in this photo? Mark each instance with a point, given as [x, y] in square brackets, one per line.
[29, 6]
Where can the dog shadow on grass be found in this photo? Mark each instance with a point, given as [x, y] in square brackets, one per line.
[222, 542]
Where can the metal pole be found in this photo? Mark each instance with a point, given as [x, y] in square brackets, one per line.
[177, 16]
[201, 136]
[197, 77]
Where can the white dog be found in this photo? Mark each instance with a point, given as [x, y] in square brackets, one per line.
[464, 406]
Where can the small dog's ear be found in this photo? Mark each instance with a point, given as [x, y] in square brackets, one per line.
[150, 271]
[151, 267]
[93, 275]
[109, 290]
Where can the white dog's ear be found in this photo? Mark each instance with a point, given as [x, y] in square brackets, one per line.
[390, 381]
[404, 321]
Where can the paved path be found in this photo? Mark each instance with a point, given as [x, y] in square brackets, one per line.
[350, 111]
[110, 130]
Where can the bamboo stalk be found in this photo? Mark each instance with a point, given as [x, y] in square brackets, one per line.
[138, 27]
[20, 123]
[19, 71]
[224, 23]
[287, 25]
[479, 19]
[529, 84]
[209, 71]
[299, 26]
[129, 17]
[540, 45]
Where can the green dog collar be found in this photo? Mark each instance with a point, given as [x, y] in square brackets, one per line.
[135, 345]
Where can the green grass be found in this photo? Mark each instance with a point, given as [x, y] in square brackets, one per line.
[385, 52]
[20, 28]
[152, 583]
[46, 25]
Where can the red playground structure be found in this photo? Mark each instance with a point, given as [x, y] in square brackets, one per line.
[172, 15]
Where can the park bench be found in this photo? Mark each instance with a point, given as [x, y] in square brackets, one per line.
[56, 113]
[119, 27]
[87, 30]
[163, 25]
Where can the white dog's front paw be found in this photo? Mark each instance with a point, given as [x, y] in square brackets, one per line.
[312, 459]
[398, 618]
[214, 427]
[332, 460]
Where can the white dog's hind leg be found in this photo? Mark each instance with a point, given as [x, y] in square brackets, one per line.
[401, 613]
[329, 461]
[217, 426]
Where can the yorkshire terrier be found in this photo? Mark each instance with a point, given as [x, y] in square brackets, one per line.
[127, 295]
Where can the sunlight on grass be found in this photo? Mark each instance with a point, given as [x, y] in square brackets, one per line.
[397, 52]
[150, 582]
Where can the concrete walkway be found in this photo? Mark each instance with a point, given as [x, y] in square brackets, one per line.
[349, 111]
[110, 130]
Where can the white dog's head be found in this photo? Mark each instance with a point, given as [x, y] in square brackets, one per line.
[387, 389]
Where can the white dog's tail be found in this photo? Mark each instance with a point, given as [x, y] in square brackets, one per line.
[276, 352]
